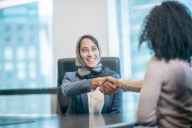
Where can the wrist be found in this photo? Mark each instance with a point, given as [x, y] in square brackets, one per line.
[93, 84]
[119, 83]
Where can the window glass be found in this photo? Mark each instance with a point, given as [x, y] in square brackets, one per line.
[26, 46]
[21, 75]
[31, 52]
[8, 53]
[21, 66]
[30, 48]
[8, 66]
[25, 104]
[32, 74]
[20, 53]
[32, 66]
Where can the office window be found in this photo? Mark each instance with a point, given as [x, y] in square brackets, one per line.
[8, 53]
[20, 53]
[25, 104]
[31, 52]
[25, 48]
[7, 28]
[125, 18]
[8, 66]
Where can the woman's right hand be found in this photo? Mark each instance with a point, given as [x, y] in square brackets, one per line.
[97, 82]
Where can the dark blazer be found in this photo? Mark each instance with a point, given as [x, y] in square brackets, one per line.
[77, 89]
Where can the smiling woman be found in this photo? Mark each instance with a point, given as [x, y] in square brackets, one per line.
[83, 85]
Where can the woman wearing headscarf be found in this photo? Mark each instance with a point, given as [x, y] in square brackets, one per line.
[82, 86]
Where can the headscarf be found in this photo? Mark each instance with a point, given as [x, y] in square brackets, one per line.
[83, 70]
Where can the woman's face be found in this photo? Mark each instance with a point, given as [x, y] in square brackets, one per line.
[89, 52]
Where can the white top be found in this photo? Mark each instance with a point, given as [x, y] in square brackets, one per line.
[95, 101]
[166, 94]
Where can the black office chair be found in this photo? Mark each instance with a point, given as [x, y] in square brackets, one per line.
[68, 65]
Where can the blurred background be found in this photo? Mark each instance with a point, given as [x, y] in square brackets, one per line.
[34, 34]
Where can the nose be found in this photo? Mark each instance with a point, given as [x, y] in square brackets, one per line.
[90, 53]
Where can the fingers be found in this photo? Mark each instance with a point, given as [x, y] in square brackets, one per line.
[101, 89]
[111, 80]
[97, 82]
[102, 80]
[108, 85]
[108, 88]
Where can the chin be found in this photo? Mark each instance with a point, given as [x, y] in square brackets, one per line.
[91, 66]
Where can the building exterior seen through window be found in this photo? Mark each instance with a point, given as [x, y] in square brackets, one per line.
[26, 47]
[26, 54]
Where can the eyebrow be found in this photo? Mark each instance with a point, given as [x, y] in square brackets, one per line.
[91, 47]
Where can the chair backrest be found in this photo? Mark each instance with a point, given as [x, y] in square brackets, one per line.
[68, 65]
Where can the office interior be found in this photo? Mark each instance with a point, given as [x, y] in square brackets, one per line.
[34, 34]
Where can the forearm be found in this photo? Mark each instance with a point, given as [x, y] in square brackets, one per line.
[131, 85]
[75, 88]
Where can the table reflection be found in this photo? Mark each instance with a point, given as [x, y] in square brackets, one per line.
[94, 120]
[71, 121]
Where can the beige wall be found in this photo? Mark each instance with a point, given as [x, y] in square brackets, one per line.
[73, 18]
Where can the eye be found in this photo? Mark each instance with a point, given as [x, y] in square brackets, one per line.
[94, 49]
[84, 50]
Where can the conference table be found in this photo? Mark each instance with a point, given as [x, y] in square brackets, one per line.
[67, 121]
[61, 120]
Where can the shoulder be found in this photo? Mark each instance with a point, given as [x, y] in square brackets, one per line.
[156, 68]
[154, 62]
[70, 75]
[109, 72]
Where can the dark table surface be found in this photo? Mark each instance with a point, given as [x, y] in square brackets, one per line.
[67, 121]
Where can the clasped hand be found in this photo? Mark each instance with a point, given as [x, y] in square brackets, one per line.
[108, 85]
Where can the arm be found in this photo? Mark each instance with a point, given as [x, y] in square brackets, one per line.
[130, 85]
[149, 95]
[71, 86]
[111, 85]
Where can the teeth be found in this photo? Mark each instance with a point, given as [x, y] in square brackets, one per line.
[90, 59]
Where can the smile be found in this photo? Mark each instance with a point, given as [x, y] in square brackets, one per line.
[91, 59]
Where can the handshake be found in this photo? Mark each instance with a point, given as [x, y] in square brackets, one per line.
[109, 85]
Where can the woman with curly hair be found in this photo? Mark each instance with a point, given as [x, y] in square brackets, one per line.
[166, 91]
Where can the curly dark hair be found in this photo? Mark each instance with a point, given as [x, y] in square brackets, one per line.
[168, 31]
